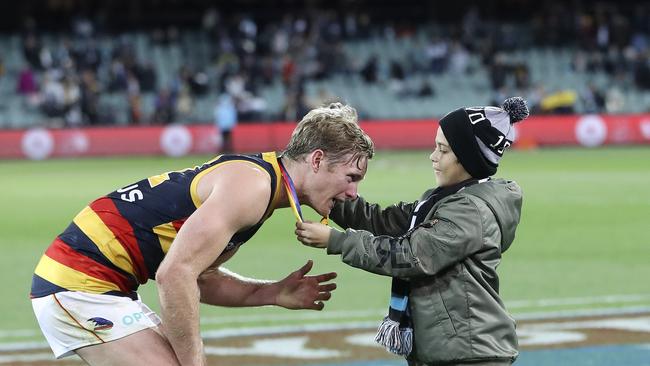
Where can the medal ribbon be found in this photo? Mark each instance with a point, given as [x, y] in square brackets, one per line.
[293, 196]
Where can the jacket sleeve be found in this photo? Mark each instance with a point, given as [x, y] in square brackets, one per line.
[453, 233]
[361, 215]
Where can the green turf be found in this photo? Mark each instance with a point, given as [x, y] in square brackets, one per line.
[583, 231]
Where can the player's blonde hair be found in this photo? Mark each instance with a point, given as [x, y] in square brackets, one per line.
[334, 130]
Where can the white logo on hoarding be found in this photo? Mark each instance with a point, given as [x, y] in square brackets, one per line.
[75, 142]
[37, 143]
[79, 142]
[645, 128]
[591, 131]
[176, 141]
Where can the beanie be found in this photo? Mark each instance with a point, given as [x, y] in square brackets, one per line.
[479, 135]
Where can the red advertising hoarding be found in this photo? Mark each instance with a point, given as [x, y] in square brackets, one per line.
[178, 140]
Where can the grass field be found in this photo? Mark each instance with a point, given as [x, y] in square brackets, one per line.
[583, 242]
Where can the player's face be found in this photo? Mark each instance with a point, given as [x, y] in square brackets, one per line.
[446, 166]
[336, 182]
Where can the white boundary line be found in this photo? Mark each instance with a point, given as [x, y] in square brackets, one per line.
[35, 357]
[516, 304]
[323, 327]
[320, 327]
[608, 299]
[346, 314]
[289, 329]
[23, 346]
[18, 333]
[286, 329]
[631, 310]
[335, 314]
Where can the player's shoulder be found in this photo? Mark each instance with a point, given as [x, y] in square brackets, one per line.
[234, 179]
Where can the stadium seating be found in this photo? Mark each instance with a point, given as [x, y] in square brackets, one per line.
[550, 67]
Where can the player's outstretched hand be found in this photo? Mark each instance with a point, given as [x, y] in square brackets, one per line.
[299, 291]
[313, 234]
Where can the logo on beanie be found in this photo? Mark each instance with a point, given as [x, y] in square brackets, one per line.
[500, 146]
[477, 115]
[479, 136]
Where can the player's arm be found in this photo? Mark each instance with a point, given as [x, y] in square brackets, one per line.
[199, 242]
[295, 291]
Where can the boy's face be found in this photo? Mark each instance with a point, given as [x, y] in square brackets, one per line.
[446, 166]
[336, 182]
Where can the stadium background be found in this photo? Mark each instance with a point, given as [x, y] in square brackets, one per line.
[130, 81]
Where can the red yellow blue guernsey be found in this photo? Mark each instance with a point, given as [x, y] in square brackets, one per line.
[117, 242]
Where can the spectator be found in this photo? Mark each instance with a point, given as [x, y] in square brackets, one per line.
[397, 77]
[26, 82]
[642, 71]
[288, 71]
[593, 99]
[559, 102]
[2, 71]
[184, 103]
[458, 59]
[522, 76]
[614, 100]
[225, 119]
[164, 107]
[134, 99]
[146, 76]
[498, 69]
[71, 102]
[32, 51]
[53, 96]
[90, 91]
[369, 71]
[438, 52]
[426, 90]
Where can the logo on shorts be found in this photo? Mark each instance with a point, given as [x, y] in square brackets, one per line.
[101, 323]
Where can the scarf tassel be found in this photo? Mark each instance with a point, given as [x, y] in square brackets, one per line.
[395, 339]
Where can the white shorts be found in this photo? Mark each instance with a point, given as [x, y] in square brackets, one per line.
[71, 320]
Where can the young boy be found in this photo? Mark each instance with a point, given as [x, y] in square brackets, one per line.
[442, 250]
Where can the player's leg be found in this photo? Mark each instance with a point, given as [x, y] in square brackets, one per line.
[146, 347]
[110, 329]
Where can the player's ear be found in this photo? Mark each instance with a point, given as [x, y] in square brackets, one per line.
[316, 159]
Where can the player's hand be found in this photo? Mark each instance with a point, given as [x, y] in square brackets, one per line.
[298, 291]
[313, 234]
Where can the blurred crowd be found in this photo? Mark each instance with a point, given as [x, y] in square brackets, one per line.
[603, 37]
[65, 82]
[64, 79]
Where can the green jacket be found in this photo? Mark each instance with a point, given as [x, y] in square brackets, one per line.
[450, 261]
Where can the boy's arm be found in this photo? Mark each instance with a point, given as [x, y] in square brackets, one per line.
[361, 215]
[454, 233]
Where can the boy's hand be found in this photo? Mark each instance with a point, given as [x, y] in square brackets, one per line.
[313, 234]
